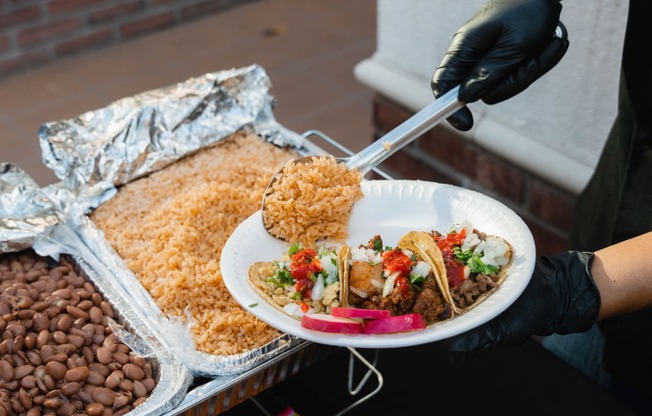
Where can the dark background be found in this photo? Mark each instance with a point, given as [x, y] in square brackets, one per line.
[525, 380]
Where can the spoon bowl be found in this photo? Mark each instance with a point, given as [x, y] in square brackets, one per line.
[371, 156]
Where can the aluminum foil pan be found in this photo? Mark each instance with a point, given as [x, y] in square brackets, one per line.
[37, 229]
[100, 150]
[24, 211]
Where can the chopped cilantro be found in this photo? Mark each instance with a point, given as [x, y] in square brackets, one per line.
[294, 248]
[417, 280]
[472, 260]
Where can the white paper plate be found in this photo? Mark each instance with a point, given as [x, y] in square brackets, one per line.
[390, 208]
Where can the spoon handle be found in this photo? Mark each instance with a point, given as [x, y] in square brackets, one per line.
[403, 134]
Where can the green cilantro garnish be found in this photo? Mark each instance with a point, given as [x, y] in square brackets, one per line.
[294, 248]
[472, 260]
[281, 277]
[417, 280]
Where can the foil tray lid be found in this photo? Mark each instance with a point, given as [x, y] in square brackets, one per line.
[29, 219]
[137, 135]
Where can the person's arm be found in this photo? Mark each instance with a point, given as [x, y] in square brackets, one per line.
[623, 275]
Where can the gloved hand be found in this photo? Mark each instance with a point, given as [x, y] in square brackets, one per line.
[560, 298]
[499, 52]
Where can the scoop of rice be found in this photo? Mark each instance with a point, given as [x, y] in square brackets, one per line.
[312, 201]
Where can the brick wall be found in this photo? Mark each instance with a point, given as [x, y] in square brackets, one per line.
[34, 32]
[443, 156]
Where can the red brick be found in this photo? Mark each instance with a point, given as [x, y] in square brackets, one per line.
[546, 241]
[58, 6]
[148, 24]
[551, 204]
[24, 61]
[4, 43]
[113, 12]
[48, 31]
[402, 165]
[88, 41]
[16, 17]
[500, 177]
[442, 144]
[452, 149]
[387, 115]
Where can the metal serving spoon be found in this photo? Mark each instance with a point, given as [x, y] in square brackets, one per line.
[428, 117]
[369, 157]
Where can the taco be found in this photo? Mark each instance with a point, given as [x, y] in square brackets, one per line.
[304, 280]
[401, 280]
[473, 263]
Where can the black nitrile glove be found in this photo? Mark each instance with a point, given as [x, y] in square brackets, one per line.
[561, 298]
[499, 52]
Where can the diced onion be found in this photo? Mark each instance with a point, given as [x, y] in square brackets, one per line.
[317, 291]
[422, 268]
[377, 283]
[329, 263]
[359, 292]
[365, 254]
[494, 251]
[389, 283]
[293, 309]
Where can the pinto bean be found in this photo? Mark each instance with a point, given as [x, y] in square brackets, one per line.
[70, 388]
[76, 312]
[100, 368]
[57, 354]
[133, 372]
[95, 409]
[23, 371]
[104, 355]
[79, 374]
[114, 379]
[103, 395]
[56, 370]
[6, 371]
[66, 409]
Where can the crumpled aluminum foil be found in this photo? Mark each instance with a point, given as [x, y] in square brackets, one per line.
[102, 149]
[137, 135]
[29, 219]
[25, 212]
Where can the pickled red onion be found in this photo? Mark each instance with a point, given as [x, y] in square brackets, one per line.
[329, 323]
[399, 323]
[360, 313]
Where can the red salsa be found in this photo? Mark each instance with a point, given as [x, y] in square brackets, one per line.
[305, 265]
[397, 261]
[454, 267]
